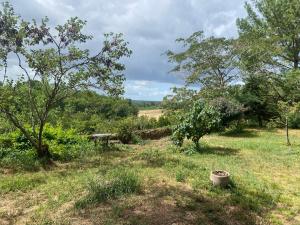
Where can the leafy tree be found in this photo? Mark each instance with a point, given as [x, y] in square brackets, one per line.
[202, 119]
[259, 98]
[269, 45]
[230, 110]
[180, 99]
[269, 35]
[52, 57]
[209, 62]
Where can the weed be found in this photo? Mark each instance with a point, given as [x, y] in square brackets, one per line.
[118, 183]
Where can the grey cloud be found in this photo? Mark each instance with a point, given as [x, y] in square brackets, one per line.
[151, 26]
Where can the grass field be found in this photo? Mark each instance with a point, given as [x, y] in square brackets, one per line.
[156, 184]
[151, 113]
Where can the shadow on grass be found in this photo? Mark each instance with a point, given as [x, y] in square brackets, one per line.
[222, 151]
[156, 158]
[204, 148]
[240, 133]
[178, 205]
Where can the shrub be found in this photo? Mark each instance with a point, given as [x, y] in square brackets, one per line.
[230, 110]
[14, 140]
[64, 144]
[125, 130]
[19, 159]
[201, 120]
[294, 120]
[119, 182]
[164, 121]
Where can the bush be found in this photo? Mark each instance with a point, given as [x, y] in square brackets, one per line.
[294, 120]
[14, 140]
[201, 120]
[119, 182]
[164, 121]
[230, 110]
[125, 130]
[128, 129]
[18, 159]
[64, 144]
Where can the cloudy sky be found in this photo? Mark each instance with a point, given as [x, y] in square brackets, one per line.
[151, 27]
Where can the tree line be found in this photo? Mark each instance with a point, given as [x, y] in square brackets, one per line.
[254, 77]
[258, 71]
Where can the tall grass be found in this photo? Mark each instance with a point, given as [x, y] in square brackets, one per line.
[118, 183]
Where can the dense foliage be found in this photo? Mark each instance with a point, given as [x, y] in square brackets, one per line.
[254, 79]
[89, 112]
[54, 65]
[202, 119]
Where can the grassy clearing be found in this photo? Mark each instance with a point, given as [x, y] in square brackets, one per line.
[157, 184]
[151, 113]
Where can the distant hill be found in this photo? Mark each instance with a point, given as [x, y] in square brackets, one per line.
[147, 104]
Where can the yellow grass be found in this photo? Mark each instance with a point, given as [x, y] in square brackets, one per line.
[153, 113]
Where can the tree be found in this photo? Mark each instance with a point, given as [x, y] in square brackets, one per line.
[180, 99]
[53, 67]
[202, 119]
[229, 109]
[269, 43]
[269, 35]
[208, 62]
[259, 99]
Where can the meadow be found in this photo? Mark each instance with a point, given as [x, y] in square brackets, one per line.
[156, 183]
[152, 113]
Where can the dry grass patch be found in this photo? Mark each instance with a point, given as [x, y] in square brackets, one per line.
[154, 113]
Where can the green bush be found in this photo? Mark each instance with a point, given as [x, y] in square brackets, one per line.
[144, 122]
[201, 120]
[164, 121]
[230, 110]
[64, 144]
[19, 159]
[294, 120]
[128, 128]
[14, 140]
[125, 130]
[118, 183]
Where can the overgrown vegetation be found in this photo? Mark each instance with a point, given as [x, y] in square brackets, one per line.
[137, 184]
[117, 183]
[52, 73]
[238, 95]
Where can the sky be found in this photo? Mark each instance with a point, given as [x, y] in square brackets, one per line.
[151, 28]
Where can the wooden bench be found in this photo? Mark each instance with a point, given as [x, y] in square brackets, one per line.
[104, 138]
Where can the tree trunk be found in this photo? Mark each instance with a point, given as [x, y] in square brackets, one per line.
[43, 149]
[296, 64]
[196, 142]
[260, 122]
[287, 131]
[43, 152]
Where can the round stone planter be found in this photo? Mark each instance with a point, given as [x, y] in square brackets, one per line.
[220, 178]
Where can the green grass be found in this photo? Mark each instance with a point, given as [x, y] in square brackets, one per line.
[119, 182]
[158, 184]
